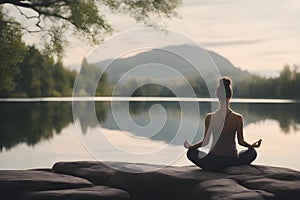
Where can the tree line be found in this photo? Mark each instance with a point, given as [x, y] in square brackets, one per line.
[24, 70]
[285, 86]
[39, 75]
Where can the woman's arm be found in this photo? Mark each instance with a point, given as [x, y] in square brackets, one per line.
[240, 136]
[205, 140]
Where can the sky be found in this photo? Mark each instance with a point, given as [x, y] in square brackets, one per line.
[253, 35]
[258, 35]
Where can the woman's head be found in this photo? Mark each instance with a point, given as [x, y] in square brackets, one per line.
[224, 89]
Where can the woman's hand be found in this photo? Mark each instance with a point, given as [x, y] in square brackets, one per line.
[187, 145]
[256, 144]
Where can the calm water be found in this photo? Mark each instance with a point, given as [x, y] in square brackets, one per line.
[38, 134]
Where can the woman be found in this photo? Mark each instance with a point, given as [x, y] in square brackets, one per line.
[223, 125]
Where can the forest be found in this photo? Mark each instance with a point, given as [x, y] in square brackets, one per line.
[39, 75]
[285, 86]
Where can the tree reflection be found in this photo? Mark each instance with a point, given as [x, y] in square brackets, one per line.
[31, 123]
[287, 115]
[85, 112]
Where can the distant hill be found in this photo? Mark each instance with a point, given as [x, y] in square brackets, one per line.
[185, 71]
[228, 69]
[121, 66]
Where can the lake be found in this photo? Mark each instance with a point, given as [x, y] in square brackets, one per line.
[39, 132]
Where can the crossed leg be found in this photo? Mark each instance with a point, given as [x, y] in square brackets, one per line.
[215, 162]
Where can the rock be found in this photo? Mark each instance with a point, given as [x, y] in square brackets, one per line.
[282, 189]
[239, 182]
[279, 173]
[250, 170]
[283, 183]
[96, 172]
[173, 179]
[226, 189]
[90, 193]
[167, 183]
[14, 182]
[188, 182]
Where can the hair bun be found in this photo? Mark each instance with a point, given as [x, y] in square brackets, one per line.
[224, 90]
[225, 81]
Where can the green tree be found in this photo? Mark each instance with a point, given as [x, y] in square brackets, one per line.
[64, 80]
[41, 76]
[287, 82]
[86, 17]
[284, 86]
[35, 79]
[12, 51]
[89, 81]
[56, 20]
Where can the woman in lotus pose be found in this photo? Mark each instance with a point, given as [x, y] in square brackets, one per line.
[223, 125]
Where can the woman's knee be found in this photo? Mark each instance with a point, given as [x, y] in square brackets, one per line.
[191, 154]
[248, 156]
[252, 153]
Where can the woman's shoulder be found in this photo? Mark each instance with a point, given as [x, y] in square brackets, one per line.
[233, 114]
[208, 116]
[237, 115]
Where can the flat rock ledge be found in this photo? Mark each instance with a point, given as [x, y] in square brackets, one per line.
[91, 180]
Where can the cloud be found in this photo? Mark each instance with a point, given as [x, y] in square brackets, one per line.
[231, 43]
[206, 2]
[273, 53]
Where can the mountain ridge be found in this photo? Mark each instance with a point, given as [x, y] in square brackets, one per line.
[170, 61]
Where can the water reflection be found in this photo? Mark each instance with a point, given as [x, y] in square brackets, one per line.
[31, 123]
[87, 111]
[287, 115]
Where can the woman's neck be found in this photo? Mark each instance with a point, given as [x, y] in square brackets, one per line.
[224, 105]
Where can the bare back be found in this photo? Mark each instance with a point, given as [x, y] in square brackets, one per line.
[223, 129]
